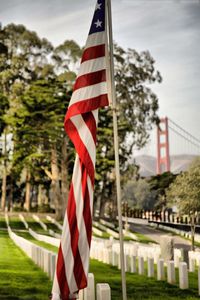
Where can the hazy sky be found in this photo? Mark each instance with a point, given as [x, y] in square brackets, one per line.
[169, 29]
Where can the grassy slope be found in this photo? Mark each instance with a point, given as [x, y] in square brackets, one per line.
[19, 277]
[138, 287]
[141, 287]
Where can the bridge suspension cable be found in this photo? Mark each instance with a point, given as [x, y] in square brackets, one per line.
[185, 135]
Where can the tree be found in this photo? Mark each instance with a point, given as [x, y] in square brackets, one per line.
[158, 185]
[30, 71]
[184, 193]
[39, 136]
[137, 109]
[138, 195]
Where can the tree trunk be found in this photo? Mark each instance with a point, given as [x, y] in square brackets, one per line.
[4, 178]
[192, 231]
[39, 195]
[10, 196]
[27, 204]
[64, 176]
[56, 191]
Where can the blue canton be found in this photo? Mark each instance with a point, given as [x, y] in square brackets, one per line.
[98, 21]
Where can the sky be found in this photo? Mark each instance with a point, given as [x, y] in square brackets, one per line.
[169, 29]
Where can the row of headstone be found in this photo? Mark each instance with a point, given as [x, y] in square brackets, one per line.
[45, 238]
[97, 231]
[46, 260]
[53, 221]
[103, 227]
[103, 291]
[136, 264]
[37, 219]
[23, 221]
[42, 224]
[177, 231]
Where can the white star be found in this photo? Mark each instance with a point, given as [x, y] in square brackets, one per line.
[98, 6]
[98, 23]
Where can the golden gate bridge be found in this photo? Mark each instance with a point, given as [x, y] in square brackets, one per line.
[164, 140]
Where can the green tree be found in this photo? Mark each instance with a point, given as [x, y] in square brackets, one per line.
[30, 71]
[138, 195]
[158, 185]
[184, 193]
[137, 107]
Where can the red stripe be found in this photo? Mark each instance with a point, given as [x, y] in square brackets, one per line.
[80, 148]
[93, 52]
[79, 274]
[87, 214]
[61, 276]
[90, 79]
[91, 124]
[87, 105]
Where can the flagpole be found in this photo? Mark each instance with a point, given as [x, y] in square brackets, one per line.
[116, 147]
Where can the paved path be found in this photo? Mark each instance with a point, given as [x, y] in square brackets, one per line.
[156, 234]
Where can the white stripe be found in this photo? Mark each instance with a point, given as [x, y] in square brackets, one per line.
[91, 192]
[85, 136]
[68, 256]
[92, 65]
[95, 39]
[95, 115]
[88, 92]
[78, 195]
[89, 183]
[55, 289]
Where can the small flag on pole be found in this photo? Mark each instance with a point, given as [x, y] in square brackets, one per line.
[90, 93]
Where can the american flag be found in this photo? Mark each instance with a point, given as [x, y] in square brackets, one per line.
[90, 93]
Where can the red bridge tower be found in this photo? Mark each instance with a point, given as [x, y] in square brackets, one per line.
[163, 160]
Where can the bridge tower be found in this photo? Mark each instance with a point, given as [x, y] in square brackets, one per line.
[163, 160]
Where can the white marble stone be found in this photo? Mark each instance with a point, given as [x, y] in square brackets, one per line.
[150, 264]
[103, 291]
[89, 292]
[160, 269]
[171, 272]
[140, 265]
[183, 276]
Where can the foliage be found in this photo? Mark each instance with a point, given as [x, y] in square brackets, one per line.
[15, 280]
[138, 194]
[184, 192]
[34, 78]
[137, 109]
[3, 108]
[158, 185]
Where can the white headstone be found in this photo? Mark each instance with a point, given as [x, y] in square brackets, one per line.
[133, 264]
[89, 292]
[150, 264]
[183, 276]
[171, 272]
[103, 291]
[140, 265]
[160, 269]
[192, 263]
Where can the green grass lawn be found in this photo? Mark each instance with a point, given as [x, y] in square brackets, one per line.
[30, 283]
[141, 287]
[20, 278]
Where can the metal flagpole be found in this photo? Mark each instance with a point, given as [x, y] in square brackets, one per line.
[116, 146]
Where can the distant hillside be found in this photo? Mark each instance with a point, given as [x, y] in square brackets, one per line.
[178, 163]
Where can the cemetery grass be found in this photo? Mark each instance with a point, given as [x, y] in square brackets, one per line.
[138, 287]
[141, 287]
[20, 278]
[17, 226]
